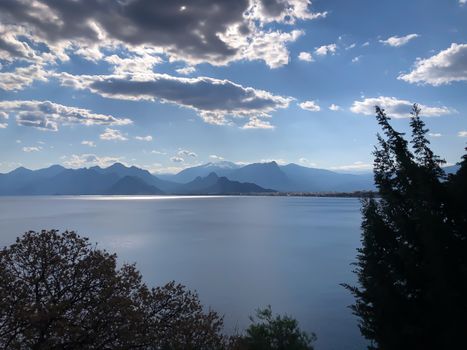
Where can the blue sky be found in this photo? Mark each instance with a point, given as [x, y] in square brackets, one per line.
[167, 85]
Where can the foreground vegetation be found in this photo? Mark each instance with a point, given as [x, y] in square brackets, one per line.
[58, 291]
[412, 267]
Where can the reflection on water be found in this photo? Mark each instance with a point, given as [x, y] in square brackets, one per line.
[239, 253]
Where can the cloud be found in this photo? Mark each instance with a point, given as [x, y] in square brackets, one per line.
[305, 56]
[32, 149]
[256, 123]
[306, 162]
[357, 166]
[213, 99]
[186, 153]
[447, 66]
[434, 134]
[356, 59]
[112, 134]
[158, 152]
[396, 108]
[326, 49]
[462, 133]
[186, 70]
[216, 32]
[216, 157]
[88, 143]
[48, 115]
[397, 41]
[365, 44]
[144, 138]
[334, 107]
[3, 119]
[22, 77]
[86, 160]
[311, 106]
[177, 159]
[462, 2]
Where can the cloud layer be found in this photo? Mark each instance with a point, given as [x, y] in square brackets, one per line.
[397, 41]
[213, 99]
[216, 32]
[447, 66]
[47, 115]
[395, 108]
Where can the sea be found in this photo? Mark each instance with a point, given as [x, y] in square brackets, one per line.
[240, 253]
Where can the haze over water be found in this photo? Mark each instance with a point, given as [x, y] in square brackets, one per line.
[239, 253]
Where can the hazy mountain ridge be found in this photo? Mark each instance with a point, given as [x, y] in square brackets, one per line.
[211, 178]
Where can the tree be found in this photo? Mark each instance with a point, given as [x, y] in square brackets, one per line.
[412, 266]
[273, 333]
[57, 291]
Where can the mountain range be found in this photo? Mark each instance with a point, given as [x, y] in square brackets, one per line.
[211, 178]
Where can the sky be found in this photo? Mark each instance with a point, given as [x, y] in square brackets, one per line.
[166, 85]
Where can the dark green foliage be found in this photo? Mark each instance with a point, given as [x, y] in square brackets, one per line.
[412, 267]
[273, 333]
[59, 292]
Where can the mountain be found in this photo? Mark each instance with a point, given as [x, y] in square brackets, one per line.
[320, 180]
[221, 168]
[287, 178]
[122, 171]
[131, 185]
[267, 175]
[213, 184]
[71, 182]
[13, 181]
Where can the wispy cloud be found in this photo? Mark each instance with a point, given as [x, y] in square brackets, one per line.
[47, 115]
[395, 107]
[397, 41]
[113, 134]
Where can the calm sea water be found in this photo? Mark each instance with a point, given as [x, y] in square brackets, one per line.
[239, 253]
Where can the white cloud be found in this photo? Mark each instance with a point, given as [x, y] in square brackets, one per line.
[326, 49]
[304, 161]
[216, 157]
[356, 59]
[88, 143]
[256, 123]
[86, 160]
[396, 108]
[462, 2]
[311, 106]
[305, 56]
[333, 107]
[186, 153]
[357, 166]
[397, 41]
[186, 70]
[447, 66]
[22, 77]
[112, 134]
[214, 100]
[351, 46]
[144, 138]
[177, 159]
[462, 133]
[48, 115]
[32, 149]
[3, 119]
[434, 134]
[365, 44]
[158, 152]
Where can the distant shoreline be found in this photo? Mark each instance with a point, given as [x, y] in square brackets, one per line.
[356, 194]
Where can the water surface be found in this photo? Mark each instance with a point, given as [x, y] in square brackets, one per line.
[239, 253]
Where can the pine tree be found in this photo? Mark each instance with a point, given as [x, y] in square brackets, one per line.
[411, 267]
